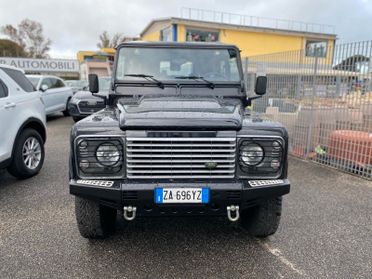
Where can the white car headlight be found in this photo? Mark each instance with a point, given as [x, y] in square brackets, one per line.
[251, 154]
[107, 154]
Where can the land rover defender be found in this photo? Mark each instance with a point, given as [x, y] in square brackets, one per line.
[175, 139]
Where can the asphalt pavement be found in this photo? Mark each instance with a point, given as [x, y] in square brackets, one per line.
[325, 231]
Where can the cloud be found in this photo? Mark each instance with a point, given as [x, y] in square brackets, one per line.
[75, 24]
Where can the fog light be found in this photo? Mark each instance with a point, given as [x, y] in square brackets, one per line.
[83, 145]
[84, 164]
[275, 164]
[276, 145]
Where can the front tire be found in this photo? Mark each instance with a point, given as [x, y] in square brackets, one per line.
[263, 220]
[94, 220]
[28, 155]
[66, 112]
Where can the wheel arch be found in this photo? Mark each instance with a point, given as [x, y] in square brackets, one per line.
[32, 123]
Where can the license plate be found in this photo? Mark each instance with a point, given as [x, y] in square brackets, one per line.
[181, 195]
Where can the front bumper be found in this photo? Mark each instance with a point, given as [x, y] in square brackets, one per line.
[141, 195]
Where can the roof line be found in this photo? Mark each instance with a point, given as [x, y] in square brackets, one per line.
[234, 26]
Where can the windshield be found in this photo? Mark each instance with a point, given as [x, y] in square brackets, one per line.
[104, 83]
[34, 81]
[171, 64]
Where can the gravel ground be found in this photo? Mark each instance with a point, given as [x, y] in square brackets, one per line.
[326, 231]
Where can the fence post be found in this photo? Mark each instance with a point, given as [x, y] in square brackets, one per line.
[311, 114]
[299, 76]
[338, 86]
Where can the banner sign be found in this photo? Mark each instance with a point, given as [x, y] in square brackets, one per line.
[42, 65]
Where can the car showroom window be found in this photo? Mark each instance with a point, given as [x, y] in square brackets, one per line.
[194, 35]
[20, 79]
[316, 48]
[3, 90]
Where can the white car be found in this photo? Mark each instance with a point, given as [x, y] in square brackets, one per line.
[55, 93]
[22, 124]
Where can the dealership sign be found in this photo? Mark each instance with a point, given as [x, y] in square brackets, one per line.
[42, 65]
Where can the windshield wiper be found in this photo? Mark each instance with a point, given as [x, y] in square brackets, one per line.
[147, 77]
[210, 84]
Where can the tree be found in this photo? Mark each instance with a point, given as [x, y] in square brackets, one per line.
[105, 40]
[29, 36]
[11, 49]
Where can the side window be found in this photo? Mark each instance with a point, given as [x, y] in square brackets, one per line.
[60, 83]
[3, 90]
[47, 82]
[20, 79]
[53, 83]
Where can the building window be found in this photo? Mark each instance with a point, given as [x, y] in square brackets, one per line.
[165, 35]
[194, 35]
[315, 48]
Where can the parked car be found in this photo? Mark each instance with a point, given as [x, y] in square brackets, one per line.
[77, 85]
[174, 140]
[55, 93]
[84, 103]
[22, 124]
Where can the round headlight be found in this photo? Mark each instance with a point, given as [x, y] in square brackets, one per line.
[251, 154]
[108, 154]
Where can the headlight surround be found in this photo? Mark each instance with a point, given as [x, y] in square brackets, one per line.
[251, 154]
[270, 166]
[99, 156]
[107, 154]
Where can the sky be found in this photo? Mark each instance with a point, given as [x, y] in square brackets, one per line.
[75, 25]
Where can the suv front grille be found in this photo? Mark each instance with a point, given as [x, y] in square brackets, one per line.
[86, 106]
[180, 158]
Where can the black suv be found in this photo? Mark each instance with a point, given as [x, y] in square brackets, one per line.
[175, 140]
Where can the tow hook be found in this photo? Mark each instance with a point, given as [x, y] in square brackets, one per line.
[233, 210]
[129, 212]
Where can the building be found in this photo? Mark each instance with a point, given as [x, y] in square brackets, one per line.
[253, 35]
[96, 62]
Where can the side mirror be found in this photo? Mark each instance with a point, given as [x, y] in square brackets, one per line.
[44, 88]
[93, 83]
[261, 84]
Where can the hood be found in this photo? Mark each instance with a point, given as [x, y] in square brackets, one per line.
[87, 95]
[164, 113]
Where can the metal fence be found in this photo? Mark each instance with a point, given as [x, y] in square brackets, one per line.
[324, 98]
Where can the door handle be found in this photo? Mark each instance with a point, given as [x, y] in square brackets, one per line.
[9, 105]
